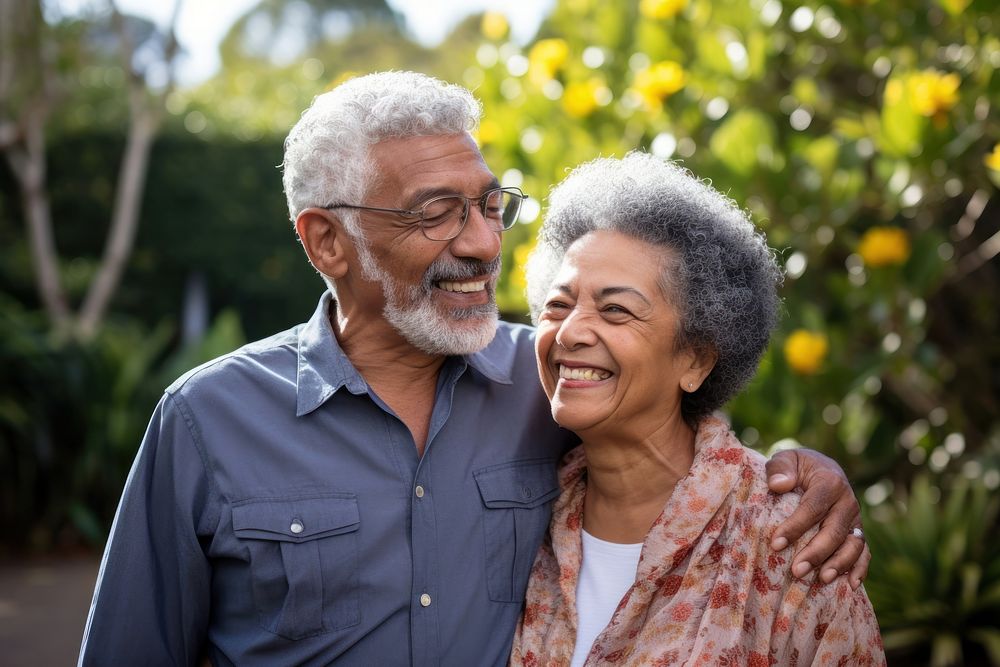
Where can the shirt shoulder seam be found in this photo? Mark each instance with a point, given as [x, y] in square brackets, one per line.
[189, 421]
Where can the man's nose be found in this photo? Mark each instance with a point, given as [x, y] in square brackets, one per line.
[478, 239]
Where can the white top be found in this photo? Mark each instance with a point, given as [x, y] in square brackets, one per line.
[606, 574]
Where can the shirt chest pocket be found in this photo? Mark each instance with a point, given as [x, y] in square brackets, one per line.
[303, 561]
[517, 498]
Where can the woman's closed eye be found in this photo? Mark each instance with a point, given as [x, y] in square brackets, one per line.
[616, 312]
[556, 309]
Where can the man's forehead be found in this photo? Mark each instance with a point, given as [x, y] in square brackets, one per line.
[426, 148]
[428, 164]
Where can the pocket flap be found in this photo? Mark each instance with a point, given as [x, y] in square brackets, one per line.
[523, 484]
[296, 519]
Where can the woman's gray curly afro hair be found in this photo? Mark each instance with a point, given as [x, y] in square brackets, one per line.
[718, 270]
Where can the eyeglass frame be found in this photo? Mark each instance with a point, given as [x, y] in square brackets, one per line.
[418, 213]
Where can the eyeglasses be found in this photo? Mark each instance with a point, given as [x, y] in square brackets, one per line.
[442, 218]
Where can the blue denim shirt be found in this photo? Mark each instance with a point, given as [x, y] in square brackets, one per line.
[278, 514]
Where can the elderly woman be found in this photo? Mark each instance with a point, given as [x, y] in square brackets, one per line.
[654, 298]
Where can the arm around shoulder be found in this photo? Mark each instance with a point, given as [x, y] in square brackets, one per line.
[151, 603]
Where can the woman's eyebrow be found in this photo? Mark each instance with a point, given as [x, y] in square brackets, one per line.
[612, 291]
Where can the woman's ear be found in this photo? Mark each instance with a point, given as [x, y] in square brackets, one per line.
[702, 362]
[324, 239]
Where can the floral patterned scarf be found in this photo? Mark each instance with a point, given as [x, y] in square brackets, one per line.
[708, 590]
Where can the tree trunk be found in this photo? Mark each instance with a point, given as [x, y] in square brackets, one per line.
[25, 99]
[28, 165]
[124, 222]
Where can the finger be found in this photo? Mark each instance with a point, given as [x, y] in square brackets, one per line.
[782, 472]
[843, 559]
[860, 569]
[812, 509]
[806, 515]
[833, 531]
[827, 499]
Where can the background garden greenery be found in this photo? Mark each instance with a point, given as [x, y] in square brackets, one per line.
[862, 136]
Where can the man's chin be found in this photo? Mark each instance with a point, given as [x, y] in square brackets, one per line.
[467, 335]
[456, 332]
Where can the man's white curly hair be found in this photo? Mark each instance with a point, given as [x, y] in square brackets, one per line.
[327, 157]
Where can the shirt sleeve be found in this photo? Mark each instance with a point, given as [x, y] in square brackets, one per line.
[151, 603]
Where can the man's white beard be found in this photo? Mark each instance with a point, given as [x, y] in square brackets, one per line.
[411, 310]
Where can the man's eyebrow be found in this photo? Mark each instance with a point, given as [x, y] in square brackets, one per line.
[425, 194]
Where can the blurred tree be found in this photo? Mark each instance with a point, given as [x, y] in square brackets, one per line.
[273, 67]
[283, 31]
[34, 68]
[858, 134]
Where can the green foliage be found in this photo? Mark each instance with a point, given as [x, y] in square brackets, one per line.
[935, 574]
[72, 416]
[68, 424]
[855, 133]
[215, 209]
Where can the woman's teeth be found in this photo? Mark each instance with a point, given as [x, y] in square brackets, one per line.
[566, 373]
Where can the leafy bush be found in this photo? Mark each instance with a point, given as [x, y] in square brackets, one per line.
[72, 417]
[935, 574]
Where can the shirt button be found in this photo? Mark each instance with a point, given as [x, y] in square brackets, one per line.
[425, 600]
[420, 492]
[526, 492]
[296, 527]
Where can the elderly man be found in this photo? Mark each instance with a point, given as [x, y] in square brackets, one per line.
[368, 488]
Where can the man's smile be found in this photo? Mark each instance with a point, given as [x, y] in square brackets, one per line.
[457, 286]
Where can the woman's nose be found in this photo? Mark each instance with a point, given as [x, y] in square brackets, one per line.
[575, 330]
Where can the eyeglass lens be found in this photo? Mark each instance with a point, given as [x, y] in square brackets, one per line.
[444, 217]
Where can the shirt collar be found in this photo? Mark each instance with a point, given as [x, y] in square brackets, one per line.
[323, 368]
[492, 363]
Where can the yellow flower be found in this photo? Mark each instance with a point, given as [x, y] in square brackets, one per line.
[805, 351]
[521, 254]
[882, 246]
[893, 92]
[489, 131]
[494, 26]
[955, 7]
[580, 97]
[993, 159]
[661, 9]
[546, 58]
[932, 93]
[659, 81]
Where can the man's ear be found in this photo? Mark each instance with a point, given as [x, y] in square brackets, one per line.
[325, 241]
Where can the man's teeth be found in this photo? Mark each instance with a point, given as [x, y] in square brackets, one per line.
[566, 373]
[449, 286]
